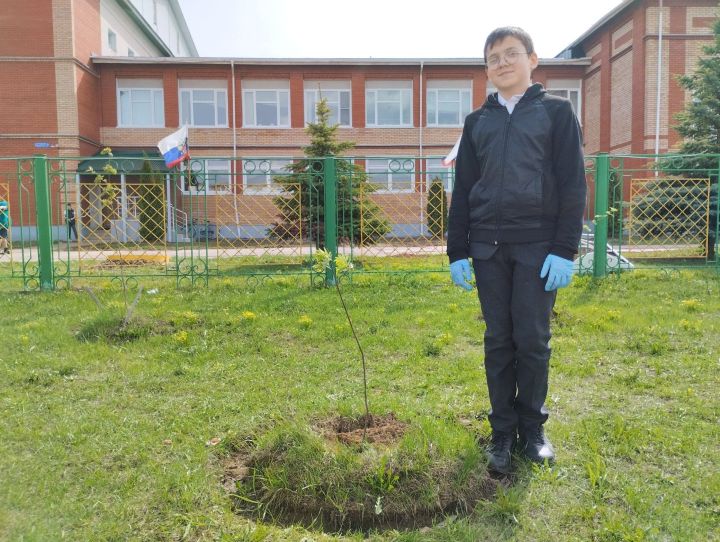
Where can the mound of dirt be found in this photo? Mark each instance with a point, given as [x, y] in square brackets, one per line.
[378, 429]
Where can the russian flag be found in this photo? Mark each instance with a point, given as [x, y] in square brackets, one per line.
[450, 158]
[174, 147]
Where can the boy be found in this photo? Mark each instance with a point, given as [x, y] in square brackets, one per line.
[70, 219]
[516, 210]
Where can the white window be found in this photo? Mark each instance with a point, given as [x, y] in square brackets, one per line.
[140, 103]
[391, 174]
[209, 176]
[155, 12]
[448, 102]
[112, 41]
[258, 174]
[337, 94]
[434, 169]
[266, 104]
[388, 103]
[572, 94]
[203, 103]
[131, 52]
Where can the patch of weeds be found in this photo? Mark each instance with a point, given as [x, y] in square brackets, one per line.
[508, 503]
[184, 319]
[691, 305]
[114, 329]
[434, 347]
[653, 342]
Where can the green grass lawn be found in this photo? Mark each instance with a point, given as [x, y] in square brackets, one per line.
[108, 439]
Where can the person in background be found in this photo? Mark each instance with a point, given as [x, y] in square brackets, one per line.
[4, 227]
[70, 219]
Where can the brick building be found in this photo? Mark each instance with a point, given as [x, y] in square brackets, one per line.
[84, 74]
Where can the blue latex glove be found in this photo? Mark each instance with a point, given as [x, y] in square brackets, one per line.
[461, 274]
[559, 272]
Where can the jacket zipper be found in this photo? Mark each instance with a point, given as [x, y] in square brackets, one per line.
[498, 216]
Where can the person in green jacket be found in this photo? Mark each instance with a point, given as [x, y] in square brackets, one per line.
[4, 226]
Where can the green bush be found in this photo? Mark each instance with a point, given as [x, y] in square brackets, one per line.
[437, 209]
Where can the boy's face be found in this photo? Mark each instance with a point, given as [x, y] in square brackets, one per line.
[509, 67]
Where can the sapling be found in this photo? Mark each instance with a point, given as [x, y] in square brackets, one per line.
[339, 266]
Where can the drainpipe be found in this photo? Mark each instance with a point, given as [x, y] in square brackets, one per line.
[235, 163]
[423, 185]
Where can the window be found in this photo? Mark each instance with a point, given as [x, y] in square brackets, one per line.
[266, 104]
[203, 103]
[155, 12]
[258, 174]
[388, 103]
[112, 41]
[572, 94]
[435, 169]
[391, 174]
[131, 52]
[140, 103]
[337, 94]
[208, 175]
[448, 102]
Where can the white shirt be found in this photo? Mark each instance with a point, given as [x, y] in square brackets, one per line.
[511, 103]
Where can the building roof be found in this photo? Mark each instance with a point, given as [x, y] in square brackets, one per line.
[325, 61]
[134, 14]
[607, 17]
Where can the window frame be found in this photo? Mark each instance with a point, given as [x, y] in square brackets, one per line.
[373, 87]
[568, 90]
[194, 190]
[269, 188]
[318, 94]
[429, 172]
[112, 40]
[389, 189]
[191, 90]
[152, 89]
[277, 91]
[449, 87]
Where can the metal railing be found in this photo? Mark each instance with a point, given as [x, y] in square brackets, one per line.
[260, 216]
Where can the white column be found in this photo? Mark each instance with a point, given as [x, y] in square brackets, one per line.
[78, 211]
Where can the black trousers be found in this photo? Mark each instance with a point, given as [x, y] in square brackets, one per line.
[517, 311]
[71, 230]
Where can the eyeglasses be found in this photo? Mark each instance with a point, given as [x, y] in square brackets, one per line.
[510, 57]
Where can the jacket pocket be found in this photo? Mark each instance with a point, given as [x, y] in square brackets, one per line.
[480, 203]
[522, 202]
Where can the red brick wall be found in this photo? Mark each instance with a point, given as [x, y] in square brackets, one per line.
[27, 98]
[88, 97]
[86, 21]
[26, 28]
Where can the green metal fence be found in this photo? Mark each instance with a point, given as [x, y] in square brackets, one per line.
[122, 218]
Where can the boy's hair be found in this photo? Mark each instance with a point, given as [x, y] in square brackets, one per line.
[503, 32]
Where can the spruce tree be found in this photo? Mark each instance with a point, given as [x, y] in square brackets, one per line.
[699, 126]
[358, 217]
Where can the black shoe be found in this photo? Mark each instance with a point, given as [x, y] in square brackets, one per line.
[535, 445]
[499, 451]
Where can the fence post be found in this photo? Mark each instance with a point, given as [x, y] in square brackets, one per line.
[602, 182]
[43, 221]
[330, 214]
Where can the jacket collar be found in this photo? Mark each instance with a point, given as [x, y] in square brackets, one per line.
[533, 91]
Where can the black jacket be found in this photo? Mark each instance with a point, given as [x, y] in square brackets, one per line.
[519, 178]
